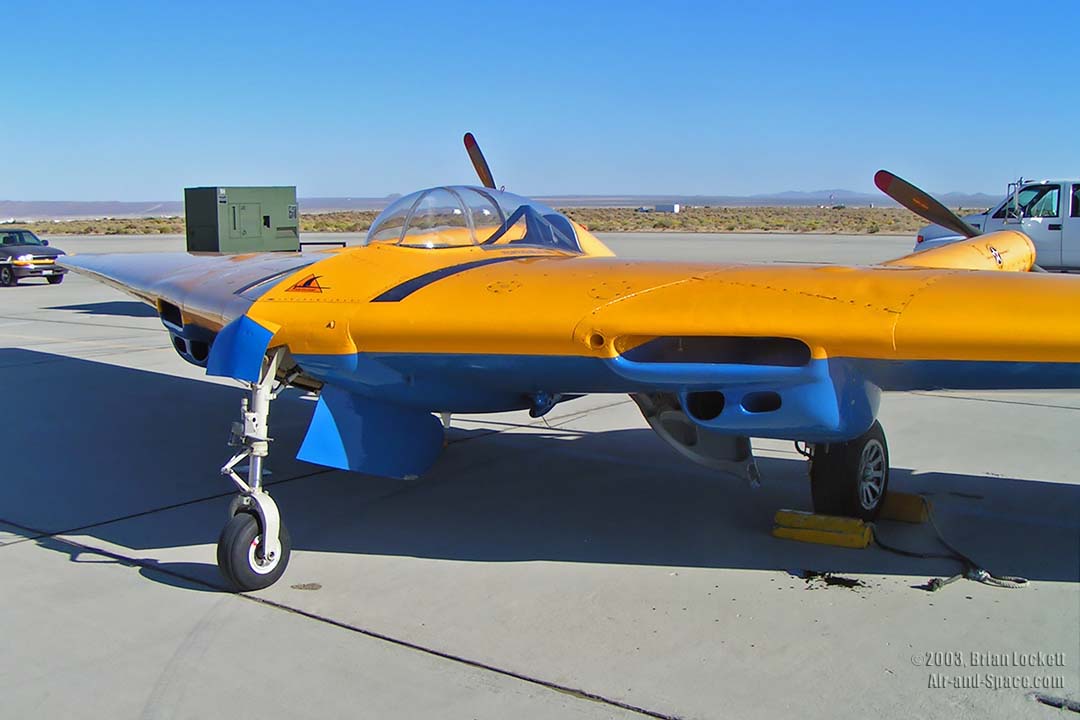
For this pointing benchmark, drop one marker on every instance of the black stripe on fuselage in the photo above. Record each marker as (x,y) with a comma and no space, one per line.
(272,276)
(407,288)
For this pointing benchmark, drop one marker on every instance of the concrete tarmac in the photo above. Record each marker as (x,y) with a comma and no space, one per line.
(566,567)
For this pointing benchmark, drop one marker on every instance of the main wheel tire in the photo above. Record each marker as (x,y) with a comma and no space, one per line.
(7,276)
(851,478)
(238,553)
(55,279)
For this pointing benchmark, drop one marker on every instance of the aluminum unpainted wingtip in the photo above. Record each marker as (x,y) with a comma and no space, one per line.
(69,261)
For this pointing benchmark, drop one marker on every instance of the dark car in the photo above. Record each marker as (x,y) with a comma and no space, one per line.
(23,254)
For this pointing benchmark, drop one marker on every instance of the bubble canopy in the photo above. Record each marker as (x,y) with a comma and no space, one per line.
(462,216)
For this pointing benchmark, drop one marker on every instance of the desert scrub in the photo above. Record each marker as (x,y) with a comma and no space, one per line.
(694,219)
(749,219)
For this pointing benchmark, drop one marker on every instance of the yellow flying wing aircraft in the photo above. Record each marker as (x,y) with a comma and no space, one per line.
(471,299)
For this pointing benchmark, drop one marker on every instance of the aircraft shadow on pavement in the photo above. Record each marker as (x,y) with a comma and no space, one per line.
(112,308)
(131,457)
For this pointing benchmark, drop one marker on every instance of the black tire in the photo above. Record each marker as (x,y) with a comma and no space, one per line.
(55,279)
(851,478)
(236,554)
(7,276)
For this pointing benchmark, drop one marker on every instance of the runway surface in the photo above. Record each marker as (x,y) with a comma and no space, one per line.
(567,567)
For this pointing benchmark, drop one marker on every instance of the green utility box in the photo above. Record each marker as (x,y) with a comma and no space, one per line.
(241,219)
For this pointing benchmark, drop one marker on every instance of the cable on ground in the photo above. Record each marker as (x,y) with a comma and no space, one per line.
(971,569)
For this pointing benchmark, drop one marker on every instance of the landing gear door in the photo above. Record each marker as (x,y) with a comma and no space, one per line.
(1039,205)
(1070,238)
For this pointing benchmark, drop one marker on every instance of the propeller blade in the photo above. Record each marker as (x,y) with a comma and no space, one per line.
(921,203)
(478,161)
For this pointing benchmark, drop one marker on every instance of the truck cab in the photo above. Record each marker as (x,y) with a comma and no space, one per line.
(1047,211)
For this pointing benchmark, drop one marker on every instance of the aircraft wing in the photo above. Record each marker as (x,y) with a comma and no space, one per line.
(208,289)
(393,334)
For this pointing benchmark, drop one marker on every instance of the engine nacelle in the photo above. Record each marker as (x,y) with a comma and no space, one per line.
(1004,250)
(730,454)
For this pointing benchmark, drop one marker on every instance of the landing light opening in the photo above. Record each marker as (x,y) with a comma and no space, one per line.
(705,406)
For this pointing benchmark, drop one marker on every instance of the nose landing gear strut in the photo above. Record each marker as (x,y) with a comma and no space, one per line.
(254,547)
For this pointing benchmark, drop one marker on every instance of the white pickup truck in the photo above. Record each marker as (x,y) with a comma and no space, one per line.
(1047,211)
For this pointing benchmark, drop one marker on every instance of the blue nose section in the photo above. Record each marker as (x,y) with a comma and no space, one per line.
(238,350)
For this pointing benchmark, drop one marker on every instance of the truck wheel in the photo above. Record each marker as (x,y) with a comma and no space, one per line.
(55,279)
(7,276)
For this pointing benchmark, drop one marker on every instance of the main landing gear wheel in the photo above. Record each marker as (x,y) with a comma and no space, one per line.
(254,546)
(242,555)
(7,277)
(851,478)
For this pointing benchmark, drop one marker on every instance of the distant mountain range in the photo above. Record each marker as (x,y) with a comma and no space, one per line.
(27,210)
(849,197)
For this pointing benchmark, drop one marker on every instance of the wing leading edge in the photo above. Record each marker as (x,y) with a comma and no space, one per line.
(208,290)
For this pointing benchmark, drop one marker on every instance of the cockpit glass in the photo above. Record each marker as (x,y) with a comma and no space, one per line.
(390,224)
(529,225)
(462,216)
(437,220)
(485,213)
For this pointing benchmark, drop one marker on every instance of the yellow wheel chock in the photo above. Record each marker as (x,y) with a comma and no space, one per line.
(821,529)
(844,531)
(905,507)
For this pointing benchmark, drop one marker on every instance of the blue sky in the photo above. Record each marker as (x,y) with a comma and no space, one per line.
(134,101)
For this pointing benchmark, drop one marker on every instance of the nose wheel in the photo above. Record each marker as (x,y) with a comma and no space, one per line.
(851,478)
(243,557)
(254,547)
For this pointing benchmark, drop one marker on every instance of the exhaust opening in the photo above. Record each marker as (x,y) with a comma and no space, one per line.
(761,402)
(199,350)
(705,406)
